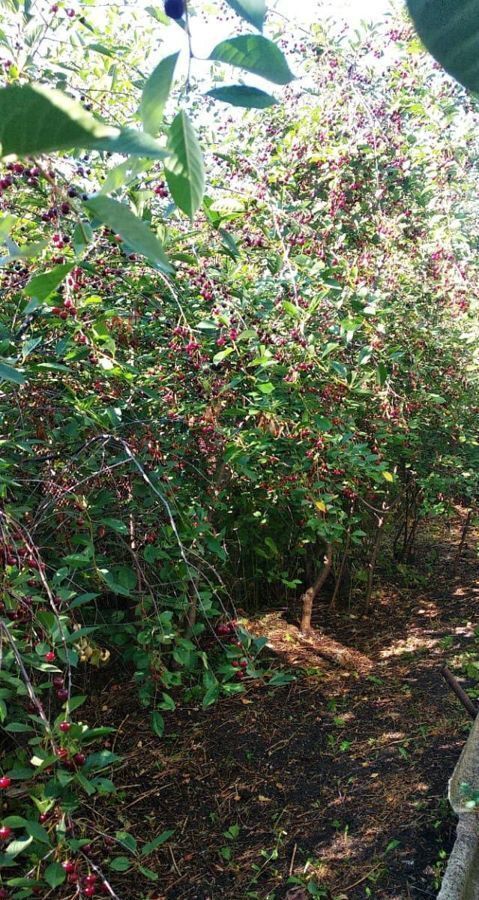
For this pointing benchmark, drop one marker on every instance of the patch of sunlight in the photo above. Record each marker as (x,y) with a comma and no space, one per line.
(391,736)
(467,629)
(409,645)
(421,786)
(345,842)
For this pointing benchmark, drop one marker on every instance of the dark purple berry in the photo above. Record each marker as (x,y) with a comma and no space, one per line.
(175,9)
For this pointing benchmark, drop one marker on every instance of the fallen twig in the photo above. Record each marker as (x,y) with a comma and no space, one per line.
(460,692)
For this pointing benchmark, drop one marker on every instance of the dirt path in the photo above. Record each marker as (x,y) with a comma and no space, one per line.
(337,780)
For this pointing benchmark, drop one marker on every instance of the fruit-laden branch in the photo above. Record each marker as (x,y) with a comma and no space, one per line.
(310,595)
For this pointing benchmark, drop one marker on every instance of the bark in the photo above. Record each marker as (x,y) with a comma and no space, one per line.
(460,692)
(310,595)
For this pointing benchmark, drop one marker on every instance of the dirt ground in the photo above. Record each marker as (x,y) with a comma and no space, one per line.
(331,786)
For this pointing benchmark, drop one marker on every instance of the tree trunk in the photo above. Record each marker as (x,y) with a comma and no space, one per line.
(310,595)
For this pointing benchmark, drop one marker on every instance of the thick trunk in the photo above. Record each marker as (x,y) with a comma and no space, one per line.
(310,595)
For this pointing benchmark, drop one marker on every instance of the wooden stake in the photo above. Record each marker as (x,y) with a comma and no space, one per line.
(460,692)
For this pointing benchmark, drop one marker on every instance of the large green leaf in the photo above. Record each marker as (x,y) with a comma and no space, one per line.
(156,92)
(256,54)
(55,875)
(450,31)
(41,286)
(131,229)
(254,11)
(243,95)
(35,119)
(184,165)
(8,373)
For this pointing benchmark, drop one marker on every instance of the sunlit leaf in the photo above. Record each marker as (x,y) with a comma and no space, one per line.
(35,119)
(243,95)
(256,54)
(132,230)
(184,165)
(254,11)
(156,92)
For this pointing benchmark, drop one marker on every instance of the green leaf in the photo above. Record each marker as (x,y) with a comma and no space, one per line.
(381,374)
(8,373)
(133,231)
(254,11)
(27,251)
(157,723)
(148,873)
(120,864)
(127,840)
(41,286)
(184,165)
(281,678)
(450,31)
(256,54)
(6,224)
(18,846)
(168,702)
(100,760)
(243,95)
(85,784)
(17,727)
(76,702)
(156,92)
(124,173)
(121,580)
(35,119)
(211,695)
(218,357)
(156,842)
(55,875)
(37,832)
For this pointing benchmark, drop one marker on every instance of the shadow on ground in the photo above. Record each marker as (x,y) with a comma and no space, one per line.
(338,779)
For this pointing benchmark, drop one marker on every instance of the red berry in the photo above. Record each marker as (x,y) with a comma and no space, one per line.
(64,726)
(244,663)
(69,866)
(79,759)
(44,817)
(50,656)
(62,694)
(61,753)
(89,890)
(5,833)
(91,878)
(58,681)
(5,782)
